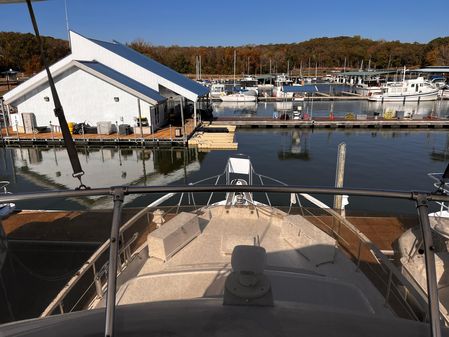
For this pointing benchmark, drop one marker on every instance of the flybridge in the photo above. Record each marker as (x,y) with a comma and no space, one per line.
(118,248)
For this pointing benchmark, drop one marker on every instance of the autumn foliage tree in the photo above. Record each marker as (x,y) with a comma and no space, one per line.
(21,52)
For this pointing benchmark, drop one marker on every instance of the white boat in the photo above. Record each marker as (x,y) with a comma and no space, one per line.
(368,87)
(414,90)
(281,81)
(9,207)
(249,83)
(217,90)
(237,266)
(239,97)
(443,93)
(439,82)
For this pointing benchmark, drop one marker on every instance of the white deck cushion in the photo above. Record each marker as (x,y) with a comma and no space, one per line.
(165,241)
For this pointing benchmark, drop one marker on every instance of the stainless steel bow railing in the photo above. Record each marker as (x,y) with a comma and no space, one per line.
(119,193)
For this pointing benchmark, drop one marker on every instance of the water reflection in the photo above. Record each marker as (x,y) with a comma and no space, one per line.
(49,168)
(410,109)
(244,109)
(338,108)
(295,146)
(380,159)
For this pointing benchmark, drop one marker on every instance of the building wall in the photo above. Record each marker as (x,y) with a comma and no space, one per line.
(85,98)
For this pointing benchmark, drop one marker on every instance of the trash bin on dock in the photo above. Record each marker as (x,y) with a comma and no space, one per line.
(124,129)
(104,128)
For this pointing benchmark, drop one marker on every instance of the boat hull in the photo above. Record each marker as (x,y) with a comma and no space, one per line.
(431,96)
(238,98)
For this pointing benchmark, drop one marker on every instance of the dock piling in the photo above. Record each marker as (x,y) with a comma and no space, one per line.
(340,174)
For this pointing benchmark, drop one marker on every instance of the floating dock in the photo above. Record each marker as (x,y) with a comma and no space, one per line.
(168,136)
(173,136)
(214,140)
(322,97)
(270,123)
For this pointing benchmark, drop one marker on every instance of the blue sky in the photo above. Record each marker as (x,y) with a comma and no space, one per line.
(211,22)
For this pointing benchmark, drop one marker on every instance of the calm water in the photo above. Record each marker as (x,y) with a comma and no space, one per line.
(339,108)
(375,159)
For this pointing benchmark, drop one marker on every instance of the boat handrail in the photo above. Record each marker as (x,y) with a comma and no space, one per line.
(377,253)
(89,264)
(118,193)
(3,185)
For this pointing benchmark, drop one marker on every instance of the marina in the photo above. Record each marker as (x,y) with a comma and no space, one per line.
(223,182)
(308,114)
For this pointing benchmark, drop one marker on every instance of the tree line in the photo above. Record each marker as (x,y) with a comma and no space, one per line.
(21,52)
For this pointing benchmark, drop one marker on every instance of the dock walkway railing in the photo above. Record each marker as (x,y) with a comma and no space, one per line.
(114,254)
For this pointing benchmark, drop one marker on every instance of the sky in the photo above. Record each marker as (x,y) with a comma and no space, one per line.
(233,22)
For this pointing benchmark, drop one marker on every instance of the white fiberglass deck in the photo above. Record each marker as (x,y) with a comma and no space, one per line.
(301,272)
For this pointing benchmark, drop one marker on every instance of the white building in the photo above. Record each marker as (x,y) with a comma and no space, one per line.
(102,81)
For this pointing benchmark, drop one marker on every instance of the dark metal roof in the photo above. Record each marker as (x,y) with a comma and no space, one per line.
(435,69)
(153,66)
(123,82)
(366,73)
(299,88)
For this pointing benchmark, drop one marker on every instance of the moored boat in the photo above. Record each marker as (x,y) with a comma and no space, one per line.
(217,90)
(239,97)
(413,90)
(281,81)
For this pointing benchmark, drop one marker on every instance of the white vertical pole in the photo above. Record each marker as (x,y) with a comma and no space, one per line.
(340,174)
(67,23)
(235,60)
(194,113)
(140,118)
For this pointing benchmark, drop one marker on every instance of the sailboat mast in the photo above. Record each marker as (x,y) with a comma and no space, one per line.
(235,58)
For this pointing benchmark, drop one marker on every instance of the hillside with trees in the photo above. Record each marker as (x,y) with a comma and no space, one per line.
(21,52)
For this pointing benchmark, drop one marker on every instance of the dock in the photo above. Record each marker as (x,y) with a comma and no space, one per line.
(214,140)
(173,136)
(167,136)
(336,123)
(322,97)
